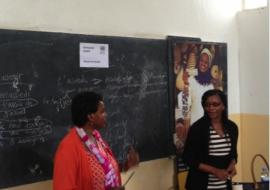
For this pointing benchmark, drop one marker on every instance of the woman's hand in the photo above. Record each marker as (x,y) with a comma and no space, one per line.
(221,174)
(132,159)
(231,169)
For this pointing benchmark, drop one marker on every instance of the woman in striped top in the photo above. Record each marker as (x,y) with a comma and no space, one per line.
(210,149)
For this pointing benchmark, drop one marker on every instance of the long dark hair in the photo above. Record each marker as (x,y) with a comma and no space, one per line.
(223,98)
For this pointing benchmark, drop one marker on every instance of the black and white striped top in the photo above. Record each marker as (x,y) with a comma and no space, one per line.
(219,146)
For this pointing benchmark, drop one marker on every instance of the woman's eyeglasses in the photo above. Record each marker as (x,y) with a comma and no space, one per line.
(214,104)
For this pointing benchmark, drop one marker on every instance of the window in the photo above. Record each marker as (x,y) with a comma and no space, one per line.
(253,4)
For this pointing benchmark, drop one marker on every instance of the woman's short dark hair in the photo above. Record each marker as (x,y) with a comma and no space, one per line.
(82,105)
(220,94)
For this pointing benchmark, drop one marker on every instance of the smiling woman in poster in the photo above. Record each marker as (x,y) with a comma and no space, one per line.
(196,81)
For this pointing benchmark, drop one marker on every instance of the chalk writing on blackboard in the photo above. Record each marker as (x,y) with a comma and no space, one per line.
(15,126)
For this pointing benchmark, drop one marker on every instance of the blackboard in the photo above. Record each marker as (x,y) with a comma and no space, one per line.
(39,75)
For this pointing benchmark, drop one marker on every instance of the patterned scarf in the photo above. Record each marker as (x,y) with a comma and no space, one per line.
(111,179)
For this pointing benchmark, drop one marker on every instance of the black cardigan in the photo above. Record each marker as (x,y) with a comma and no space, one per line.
(196,151)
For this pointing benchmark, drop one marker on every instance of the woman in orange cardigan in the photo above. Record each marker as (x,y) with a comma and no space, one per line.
(83,160)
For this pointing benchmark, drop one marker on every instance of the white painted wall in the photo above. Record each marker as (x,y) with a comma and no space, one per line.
(210,20)
(254,88)
(254,61)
